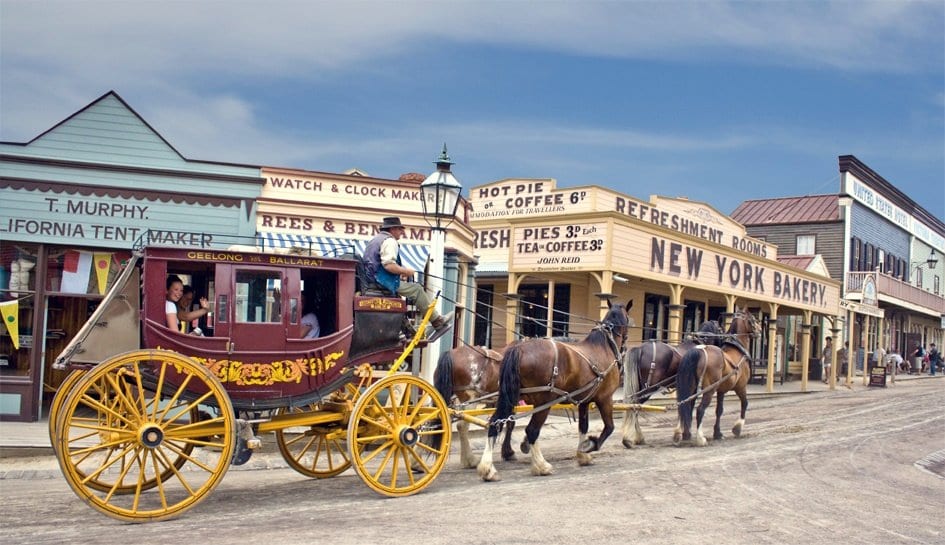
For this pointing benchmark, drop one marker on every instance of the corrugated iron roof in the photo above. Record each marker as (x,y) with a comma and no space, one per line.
(796,261)
(788,210)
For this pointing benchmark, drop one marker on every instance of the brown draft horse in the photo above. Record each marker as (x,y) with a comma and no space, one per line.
(546,371)
(653,365)
(713,369)
(469,373)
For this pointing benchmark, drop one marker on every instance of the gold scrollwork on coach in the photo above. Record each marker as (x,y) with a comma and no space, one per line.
(267,374)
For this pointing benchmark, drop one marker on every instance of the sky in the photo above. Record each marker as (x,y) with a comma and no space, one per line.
(716,101)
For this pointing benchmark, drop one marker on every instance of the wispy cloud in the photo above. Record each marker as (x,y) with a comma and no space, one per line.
(184,65)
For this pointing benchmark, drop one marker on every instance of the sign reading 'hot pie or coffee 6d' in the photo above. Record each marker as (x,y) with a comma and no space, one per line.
(577,246)
(526,198)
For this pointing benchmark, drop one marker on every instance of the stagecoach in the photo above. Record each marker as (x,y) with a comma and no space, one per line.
(150,419)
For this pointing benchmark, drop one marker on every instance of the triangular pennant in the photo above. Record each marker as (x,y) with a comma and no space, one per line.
(10,310)
(103,261)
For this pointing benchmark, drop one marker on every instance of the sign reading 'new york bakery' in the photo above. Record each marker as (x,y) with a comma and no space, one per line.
(712,270)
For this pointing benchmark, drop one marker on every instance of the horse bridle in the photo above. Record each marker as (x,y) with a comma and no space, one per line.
(618,351)
(750,318)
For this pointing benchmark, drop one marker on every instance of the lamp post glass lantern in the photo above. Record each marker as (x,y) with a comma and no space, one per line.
(931,262)
(439,196)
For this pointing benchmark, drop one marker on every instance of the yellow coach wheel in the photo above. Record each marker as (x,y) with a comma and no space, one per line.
(98,483)
(127,439)
(391,435)
(102,481)
(317,451)
(61,394)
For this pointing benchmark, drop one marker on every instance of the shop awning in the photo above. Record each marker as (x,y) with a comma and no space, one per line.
(413,255)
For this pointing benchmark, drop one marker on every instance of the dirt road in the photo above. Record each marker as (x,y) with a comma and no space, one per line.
(844,467)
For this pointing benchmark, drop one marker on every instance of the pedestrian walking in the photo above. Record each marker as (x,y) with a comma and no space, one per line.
(935,359)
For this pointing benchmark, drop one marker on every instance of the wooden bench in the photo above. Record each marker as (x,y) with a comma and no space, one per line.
(759,373)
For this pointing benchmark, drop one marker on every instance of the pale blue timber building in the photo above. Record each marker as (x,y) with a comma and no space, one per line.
(86,190)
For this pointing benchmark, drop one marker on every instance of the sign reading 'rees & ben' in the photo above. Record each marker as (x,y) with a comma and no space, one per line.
(571,247)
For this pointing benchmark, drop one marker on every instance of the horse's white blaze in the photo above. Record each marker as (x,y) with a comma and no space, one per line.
(540,466)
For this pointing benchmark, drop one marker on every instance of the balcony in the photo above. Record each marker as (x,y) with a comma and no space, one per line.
(893,288)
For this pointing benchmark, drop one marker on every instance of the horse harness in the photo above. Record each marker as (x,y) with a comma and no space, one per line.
(591,387)
(484,397)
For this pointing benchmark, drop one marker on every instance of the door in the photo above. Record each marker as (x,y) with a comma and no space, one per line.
(249,308)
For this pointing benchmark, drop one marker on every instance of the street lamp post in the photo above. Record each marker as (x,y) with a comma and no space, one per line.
(439,195)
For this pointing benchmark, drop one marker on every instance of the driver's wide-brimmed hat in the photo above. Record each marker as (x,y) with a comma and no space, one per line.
(390,223)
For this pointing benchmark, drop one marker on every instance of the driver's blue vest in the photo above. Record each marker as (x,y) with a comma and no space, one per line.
(376,271)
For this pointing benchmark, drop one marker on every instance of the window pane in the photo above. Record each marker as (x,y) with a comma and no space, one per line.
(258,296)
(805,244)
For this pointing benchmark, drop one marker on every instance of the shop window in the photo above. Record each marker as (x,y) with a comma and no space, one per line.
(18,267)
(655,317)
(806,244)
(533,311)
(82,271)
(484,308)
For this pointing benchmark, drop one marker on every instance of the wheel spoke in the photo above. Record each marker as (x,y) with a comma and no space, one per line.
(158,389)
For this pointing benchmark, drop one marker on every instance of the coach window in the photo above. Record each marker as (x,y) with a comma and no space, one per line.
(258,296)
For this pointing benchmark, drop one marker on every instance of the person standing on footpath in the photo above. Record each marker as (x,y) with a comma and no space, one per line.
(842,355)
(825,357)
(935,359)
(383,264)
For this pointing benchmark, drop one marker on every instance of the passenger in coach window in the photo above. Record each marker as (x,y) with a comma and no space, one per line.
(175,317)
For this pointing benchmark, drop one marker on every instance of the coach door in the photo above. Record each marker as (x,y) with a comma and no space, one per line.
(251,308)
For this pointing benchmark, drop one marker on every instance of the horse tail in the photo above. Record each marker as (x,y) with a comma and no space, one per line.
(631,379)
(443,382)
(510,385)
(686,385)
(443,376)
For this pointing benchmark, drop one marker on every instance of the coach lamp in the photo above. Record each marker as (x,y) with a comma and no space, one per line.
(439,196)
